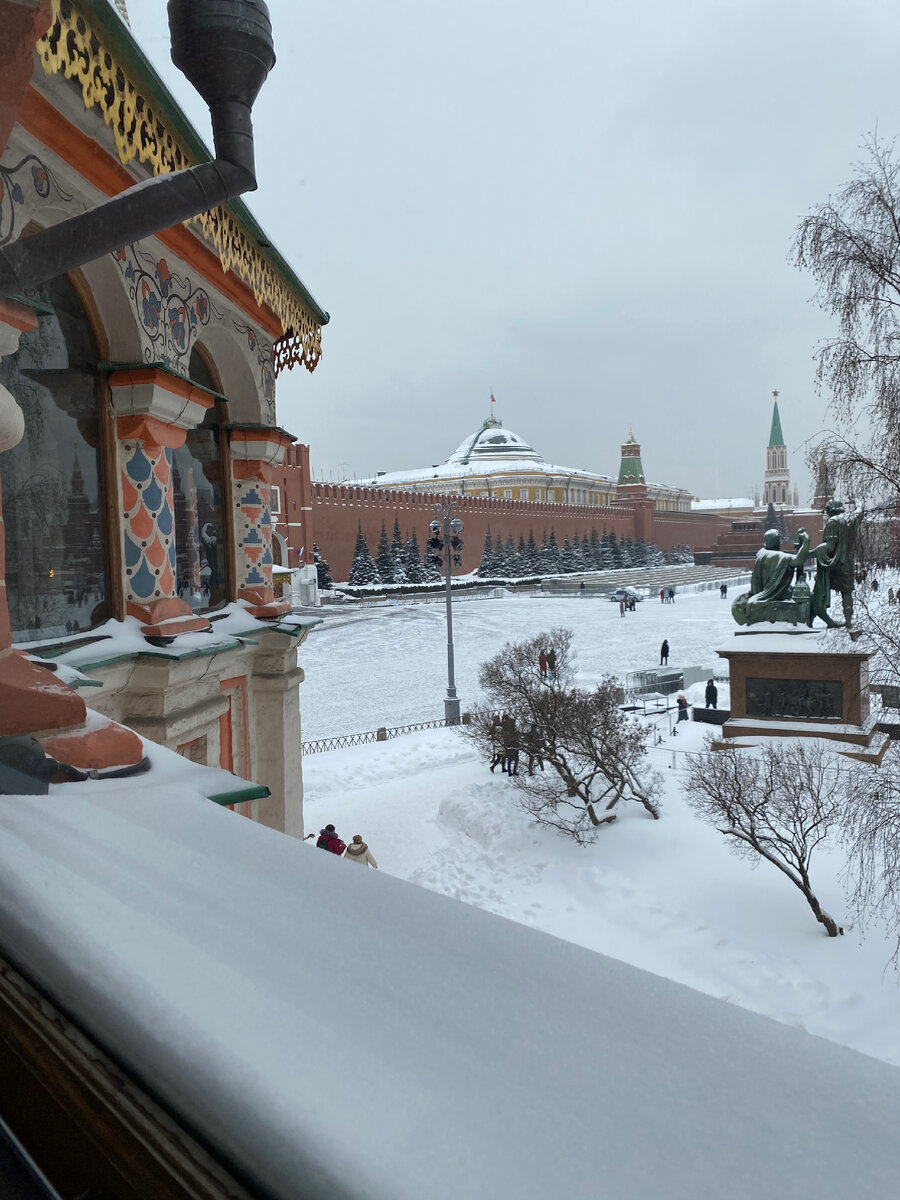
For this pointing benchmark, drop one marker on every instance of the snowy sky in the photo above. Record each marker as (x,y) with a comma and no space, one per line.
(586,207)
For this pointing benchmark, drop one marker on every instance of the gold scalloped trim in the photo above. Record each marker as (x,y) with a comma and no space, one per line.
(72,48)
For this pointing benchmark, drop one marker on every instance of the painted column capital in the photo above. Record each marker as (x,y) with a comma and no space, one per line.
(256,451)
(156,408)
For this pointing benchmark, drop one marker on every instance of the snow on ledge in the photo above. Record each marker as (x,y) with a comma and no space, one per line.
(783,638)
(340,1032)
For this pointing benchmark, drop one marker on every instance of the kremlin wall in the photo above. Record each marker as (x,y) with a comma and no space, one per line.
(331,514)
(500,483)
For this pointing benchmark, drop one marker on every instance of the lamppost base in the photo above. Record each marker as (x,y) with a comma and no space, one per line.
(451,710)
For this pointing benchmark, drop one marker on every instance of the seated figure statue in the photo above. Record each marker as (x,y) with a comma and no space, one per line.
(771,596)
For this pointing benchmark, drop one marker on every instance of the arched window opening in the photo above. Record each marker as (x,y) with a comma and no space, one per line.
(200,550)
(56,572)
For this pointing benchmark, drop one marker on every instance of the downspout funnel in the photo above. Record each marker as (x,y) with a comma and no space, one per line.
(225,49)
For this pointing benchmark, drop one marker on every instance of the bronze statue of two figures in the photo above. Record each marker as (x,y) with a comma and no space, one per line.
(778,587)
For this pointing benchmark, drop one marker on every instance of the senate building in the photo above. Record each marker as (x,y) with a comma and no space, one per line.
(496,463)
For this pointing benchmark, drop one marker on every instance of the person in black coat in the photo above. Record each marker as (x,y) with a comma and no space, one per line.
(664,653)
(712,694)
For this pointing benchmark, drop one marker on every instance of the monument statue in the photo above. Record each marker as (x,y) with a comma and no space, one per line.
(773,595)
(834,565)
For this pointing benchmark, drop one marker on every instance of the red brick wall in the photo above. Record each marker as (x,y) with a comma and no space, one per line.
(330,514)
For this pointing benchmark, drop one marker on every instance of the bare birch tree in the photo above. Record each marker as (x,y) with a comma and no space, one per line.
(872,836)
(593,754)
(777,805)
(851,246)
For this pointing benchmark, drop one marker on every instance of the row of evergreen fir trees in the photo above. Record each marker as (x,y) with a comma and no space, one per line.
(398,559)
(597,552)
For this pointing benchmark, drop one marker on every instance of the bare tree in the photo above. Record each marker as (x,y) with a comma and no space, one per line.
(778,804)
(872,836)
(592,755)
(851,245)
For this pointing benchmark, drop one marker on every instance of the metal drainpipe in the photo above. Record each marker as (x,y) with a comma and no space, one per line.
(226,52)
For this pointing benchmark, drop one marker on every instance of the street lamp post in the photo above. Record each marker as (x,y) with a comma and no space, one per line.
(445,551)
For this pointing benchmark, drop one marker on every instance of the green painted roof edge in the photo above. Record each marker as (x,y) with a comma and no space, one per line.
(776,437)
(124,43)
(253,791)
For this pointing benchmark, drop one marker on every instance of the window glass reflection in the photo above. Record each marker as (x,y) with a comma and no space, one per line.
(55,551)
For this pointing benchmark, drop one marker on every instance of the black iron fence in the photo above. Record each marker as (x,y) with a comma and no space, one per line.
(384,734)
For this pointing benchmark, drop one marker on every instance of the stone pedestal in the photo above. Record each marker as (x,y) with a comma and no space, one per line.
(801,684)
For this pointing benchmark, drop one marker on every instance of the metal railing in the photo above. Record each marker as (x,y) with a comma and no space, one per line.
(384,734)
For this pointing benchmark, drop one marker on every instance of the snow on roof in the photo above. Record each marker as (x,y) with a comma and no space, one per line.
(332,1030)
(726,502)
(491,449)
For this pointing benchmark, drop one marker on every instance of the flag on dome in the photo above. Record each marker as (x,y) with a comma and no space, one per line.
(493,401)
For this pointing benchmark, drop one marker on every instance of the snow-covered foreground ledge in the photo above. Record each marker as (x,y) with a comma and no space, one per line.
(337,1032)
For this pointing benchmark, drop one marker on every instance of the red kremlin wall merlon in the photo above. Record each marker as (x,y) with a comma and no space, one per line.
(331,514)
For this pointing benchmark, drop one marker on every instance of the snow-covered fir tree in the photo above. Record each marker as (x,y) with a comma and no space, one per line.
(615,552)
(363,570)
(639,552)
(412,560)
(532,556)
(398,565)
(594,550)
(510,560)
(655,556)
(548,555)
(567,561)
(383,559)
(625,559)
(487,568)
(323,571)
(681,554)
(521,557)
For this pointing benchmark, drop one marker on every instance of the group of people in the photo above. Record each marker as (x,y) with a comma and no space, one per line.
(627,604)
(507,743)
(667,595)
(547,665)
(357,851)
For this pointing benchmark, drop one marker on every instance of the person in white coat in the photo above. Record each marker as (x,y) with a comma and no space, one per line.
(359,852)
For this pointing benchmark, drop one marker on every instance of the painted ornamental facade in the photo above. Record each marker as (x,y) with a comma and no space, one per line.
(137,497)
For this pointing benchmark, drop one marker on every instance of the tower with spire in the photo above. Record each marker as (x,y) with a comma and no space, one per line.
(631,481)
(777,487)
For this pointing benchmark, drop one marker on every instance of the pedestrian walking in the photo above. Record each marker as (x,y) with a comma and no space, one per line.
(551,664)
(671,595)
(329,840)
(497,750)
(621,608)
(712,694)
(664,653)
(542,664)
(359,852)
(662,595)
(891,599)
(682,707)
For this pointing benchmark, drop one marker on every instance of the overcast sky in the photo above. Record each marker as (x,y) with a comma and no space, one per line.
(585,206)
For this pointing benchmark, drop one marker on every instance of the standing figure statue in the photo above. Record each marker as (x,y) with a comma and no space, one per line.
(834,565)
(771,596)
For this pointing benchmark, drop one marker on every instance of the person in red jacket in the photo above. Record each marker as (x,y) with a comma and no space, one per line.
(329,840)
(542,664)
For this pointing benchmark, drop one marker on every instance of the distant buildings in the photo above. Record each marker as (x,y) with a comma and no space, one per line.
(495,463)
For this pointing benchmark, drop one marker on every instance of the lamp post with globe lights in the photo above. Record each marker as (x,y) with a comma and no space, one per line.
(444,546)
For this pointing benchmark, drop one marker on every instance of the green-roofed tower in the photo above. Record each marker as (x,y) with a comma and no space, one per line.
(631,470)
(777,488)
(776,438)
